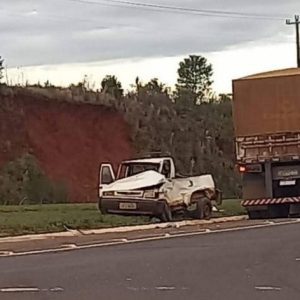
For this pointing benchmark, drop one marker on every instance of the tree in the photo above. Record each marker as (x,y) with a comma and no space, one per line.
(1,68)
(194,76)
(111,85)
(156,87)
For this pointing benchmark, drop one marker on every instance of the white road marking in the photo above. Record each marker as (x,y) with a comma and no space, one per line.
(30,290)
(165,288)
(268,288)
(7,253)
(297,259)
(20,290)
(132,288)
(148,239)
(56,289)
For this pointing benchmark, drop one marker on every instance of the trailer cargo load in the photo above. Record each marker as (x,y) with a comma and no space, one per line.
(266,110)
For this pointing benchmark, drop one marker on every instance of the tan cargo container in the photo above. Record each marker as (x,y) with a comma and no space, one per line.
(267,103)
(266,110)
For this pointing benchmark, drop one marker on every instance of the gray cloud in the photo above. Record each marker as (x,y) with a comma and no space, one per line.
(37,32)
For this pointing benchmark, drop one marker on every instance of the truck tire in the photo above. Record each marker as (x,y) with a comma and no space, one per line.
(203,209)
(254,214)
(258,214)
(166,215)
(101,209)
(279,211)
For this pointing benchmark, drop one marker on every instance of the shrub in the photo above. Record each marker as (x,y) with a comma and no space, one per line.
(23,182)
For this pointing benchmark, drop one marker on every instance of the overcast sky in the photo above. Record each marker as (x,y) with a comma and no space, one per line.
(64,39)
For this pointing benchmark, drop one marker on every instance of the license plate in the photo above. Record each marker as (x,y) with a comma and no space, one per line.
(127,206)
(287,182)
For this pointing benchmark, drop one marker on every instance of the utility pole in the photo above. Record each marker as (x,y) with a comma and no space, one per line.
(296,23)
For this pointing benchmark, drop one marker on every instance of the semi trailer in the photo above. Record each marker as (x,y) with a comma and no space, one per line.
(266,111)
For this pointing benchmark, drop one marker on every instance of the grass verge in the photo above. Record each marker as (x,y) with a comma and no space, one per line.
(26,219)
(16,220)
(231,207)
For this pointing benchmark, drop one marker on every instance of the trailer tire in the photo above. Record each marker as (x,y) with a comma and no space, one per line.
(258,214)
(204,208)
(254,214)
(166,215)
(279,211)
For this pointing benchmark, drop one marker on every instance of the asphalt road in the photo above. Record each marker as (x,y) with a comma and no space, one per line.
(248,264)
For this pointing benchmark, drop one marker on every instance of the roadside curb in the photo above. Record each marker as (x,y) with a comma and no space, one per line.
(163,225)
(124,229)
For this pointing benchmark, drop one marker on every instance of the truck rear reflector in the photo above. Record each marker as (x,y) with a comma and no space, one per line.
(270,201)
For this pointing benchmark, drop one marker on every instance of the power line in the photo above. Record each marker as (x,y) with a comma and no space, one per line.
(186,10)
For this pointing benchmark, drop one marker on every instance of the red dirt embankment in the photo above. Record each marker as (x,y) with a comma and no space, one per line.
(68,140)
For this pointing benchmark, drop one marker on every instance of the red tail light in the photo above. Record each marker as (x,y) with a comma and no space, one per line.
(242,169)
(252,168)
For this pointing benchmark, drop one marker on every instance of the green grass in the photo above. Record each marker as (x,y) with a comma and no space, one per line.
(232,207)
(15,220)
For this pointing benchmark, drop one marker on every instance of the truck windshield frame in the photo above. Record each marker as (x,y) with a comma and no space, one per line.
(130,169)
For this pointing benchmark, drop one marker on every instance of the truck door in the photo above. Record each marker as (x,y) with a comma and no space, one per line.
(106,176)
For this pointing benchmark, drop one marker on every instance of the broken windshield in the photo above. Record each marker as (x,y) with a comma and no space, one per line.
(130,169)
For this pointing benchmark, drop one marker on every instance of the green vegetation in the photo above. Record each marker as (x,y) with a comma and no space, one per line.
(1,68)
(26,219)
(232,207)
(194,79)
(23,182)
(110,85)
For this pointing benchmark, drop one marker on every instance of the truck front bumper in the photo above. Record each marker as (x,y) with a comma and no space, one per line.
(131,207)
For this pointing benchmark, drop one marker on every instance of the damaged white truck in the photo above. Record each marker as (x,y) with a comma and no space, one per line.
(150,187)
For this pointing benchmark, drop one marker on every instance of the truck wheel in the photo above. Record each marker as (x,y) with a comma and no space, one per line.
(279,211)
(166,215)
(258,214)
(101,209)
(254,214)
(204,209)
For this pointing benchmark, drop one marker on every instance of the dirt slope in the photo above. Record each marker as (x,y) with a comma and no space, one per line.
(69,140)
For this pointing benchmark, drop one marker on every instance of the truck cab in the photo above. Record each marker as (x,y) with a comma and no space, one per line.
(150,186)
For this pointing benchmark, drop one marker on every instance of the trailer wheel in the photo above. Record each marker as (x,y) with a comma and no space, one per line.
(258,214)
(166,215)
(254,214)
(279,211)
(203,209)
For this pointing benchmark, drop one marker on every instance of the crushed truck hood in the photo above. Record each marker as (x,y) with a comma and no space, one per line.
(139,181)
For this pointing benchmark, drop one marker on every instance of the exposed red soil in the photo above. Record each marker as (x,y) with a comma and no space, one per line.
(68,140)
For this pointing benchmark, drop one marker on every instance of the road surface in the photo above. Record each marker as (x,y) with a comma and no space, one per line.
(261,263)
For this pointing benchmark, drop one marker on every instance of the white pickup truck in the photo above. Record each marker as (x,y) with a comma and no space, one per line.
(150,187)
